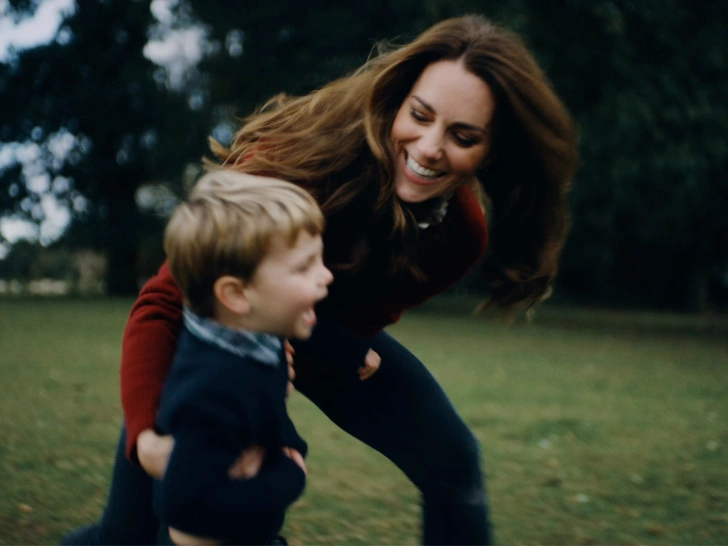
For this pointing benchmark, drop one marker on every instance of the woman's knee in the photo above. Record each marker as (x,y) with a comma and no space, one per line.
(454,473)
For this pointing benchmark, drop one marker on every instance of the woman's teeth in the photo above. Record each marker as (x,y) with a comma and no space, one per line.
(419,170)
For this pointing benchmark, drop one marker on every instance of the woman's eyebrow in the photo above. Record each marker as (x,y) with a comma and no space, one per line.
(468,127)
(424,104)
(459,124)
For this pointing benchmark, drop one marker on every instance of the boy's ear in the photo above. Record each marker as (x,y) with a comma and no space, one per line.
(230,292)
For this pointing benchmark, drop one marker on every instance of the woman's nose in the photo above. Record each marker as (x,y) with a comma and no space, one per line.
(430,144)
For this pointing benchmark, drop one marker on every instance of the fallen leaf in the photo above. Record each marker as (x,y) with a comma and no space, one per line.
(553,463)
(581,498)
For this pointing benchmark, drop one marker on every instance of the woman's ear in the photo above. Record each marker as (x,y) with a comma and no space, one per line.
(230,293)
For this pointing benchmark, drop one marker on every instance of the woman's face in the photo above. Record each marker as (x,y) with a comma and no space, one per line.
(441,132)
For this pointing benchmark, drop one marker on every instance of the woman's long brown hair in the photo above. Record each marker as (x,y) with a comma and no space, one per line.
(336,142)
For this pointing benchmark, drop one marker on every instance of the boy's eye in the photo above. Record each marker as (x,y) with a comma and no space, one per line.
(305,266)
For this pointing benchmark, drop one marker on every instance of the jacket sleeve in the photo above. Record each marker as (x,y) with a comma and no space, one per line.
(196,494)
(147,349)
(196,485)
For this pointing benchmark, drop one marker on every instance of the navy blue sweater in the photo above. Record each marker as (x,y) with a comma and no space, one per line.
(216,404)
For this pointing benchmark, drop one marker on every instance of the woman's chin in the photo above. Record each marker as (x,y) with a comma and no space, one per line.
(412,193)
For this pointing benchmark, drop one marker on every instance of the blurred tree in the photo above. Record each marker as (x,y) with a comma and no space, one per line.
(292,46)
(648,83)
(90,123)
(19,262)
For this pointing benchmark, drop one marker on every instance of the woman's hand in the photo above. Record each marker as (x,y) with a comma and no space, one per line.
(371,364)
(296,457)
(153,452)
(290,351)
(248,464)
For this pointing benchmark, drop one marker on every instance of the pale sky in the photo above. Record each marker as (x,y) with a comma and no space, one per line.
(38,29)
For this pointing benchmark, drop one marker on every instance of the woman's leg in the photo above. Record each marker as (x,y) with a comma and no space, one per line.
(128,517)
(404,414)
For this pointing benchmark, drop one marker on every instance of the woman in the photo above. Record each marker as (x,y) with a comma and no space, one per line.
(405,157)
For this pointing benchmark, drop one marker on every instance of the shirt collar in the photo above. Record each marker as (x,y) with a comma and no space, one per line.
(437,213)
(265,348)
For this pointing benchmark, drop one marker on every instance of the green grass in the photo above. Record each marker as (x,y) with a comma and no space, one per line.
(597,427)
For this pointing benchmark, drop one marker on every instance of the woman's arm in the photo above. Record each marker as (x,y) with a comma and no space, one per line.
(147,349)
(332,342)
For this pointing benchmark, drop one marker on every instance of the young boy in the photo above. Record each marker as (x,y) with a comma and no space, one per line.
(246,252)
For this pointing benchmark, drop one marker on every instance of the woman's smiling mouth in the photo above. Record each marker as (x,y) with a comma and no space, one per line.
(421,172)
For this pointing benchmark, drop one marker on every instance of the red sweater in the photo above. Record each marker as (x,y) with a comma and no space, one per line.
(362,302)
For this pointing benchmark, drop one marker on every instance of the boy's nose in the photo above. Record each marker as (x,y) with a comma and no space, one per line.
(326,277)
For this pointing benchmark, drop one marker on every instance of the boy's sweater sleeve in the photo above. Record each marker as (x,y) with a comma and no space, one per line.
(197,475)
(196,494)
(147,349)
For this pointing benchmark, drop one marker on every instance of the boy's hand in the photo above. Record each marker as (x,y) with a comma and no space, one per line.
(290,351)
(371,364)
(295,456)
(248,464)
(153,452)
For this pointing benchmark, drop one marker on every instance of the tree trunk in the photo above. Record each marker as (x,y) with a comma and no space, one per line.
(122,240)
(698,297)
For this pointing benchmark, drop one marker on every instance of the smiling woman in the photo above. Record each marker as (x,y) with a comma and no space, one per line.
(402,156)
(440,134)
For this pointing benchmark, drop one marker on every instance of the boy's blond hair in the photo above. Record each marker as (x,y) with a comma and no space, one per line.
(225,228)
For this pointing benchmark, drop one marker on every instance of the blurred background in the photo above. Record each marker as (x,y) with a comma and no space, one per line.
(106,107)
(602,422)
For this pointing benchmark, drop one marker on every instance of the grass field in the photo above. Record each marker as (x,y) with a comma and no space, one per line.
(597,427)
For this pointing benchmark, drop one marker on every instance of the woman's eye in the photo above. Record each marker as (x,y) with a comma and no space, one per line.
(465,141)
(419,116)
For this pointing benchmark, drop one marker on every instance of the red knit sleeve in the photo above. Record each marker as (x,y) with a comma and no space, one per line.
(147,349)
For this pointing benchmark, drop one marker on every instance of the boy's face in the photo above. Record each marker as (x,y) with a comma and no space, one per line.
(287,284)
